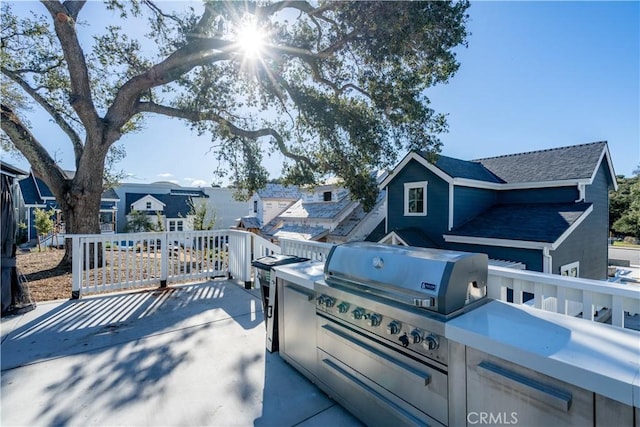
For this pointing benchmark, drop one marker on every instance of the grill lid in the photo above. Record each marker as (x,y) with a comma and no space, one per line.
(437,280)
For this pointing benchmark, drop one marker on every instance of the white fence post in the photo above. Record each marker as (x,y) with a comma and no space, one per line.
(76,267)
(164,259)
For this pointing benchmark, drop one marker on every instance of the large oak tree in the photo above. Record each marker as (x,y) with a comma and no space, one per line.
(335,87)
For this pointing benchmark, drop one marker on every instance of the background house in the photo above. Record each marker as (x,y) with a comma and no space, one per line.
(545,209)
(36,194)
(172,210)
(220,201)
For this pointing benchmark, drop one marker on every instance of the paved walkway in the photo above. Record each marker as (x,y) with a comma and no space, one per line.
(187,356)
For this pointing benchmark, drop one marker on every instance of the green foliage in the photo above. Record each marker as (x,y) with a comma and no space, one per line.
(43,222)
(624,211)
(138,221)
(338,88)
(203,218)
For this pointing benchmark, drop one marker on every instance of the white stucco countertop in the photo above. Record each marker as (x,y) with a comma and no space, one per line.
(302,273)
(597,357)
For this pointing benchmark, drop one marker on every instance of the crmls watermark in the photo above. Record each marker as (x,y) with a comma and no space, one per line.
(492,418)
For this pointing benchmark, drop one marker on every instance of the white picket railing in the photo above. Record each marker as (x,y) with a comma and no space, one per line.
(127,261)
(566,295)
(104,263)
(316,251)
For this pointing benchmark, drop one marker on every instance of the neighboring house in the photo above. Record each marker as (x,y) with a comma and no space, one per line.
(545,209)
(269,202)
(313,216)
(220,201)
(36,194)
(324,213)
(172,210)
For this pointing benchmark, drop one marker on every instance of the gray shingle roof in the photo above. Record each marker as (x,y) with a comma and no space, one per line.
(250,222)
(354,218)
(299,231)
(278,191)
(556,164)
(526,222)
(320,210)
(176,205)
(465,169)
(29,191)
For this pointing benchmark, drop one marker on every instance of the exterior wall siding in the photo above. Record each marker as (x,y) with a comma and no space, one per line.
(588,244)
(539,195)
(470,202)
(531,258)
(435,223)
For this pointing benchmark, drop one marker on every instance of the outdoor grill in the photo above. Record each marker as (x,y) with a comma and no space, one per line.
(381,313)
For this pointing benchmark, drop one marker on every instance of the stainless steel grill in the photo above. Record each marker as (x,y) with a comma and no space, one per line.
(440,281)
(381,313)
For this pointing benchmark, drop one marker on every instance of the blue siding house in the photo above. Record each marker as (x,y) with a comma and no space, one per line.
(36,194)
(545,209)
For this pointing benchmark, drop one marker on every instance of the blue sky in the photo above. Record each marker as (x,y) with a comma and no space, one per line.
(536,75)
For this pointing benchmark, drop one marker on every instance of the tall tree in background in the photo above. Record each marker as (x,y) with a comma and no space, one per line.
(336,87)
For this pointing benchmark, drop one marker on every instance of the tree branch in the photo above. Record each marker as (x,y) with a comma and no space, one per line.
(80,98)
(53,112)
(198,116)
(198,52)
(41,162)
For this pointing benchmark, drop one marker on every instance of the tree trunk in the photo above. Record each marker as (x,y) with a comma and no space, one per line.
(81,203)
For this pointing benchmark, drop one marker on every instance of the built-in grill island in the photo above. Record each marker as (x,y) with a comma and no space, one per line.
(381,312)
(406,336)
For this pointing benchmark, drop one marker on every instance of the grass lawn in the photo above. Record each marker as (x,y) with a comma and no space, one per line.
(626,245)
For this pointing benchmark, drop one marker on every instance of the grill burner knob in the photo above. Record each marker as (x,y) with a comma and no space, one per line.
(375,319)
(393,328)
(329,302)
(431,342)
(416,334)
(404,339)
(343,307)
(357,314)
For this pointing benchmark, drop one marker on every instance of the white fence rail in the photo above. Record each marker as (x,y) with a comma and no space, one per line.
(104,263)
(126,261)
(316,251)
(563,294)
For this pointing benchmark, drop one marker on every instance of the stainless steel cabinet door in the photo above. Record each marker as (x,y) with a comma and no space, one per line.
(501,392)
(298,335)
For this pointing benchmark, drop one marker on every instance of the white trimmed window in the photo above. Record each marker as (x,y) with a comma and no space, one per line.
(571,270)
(415,198)
(148,206)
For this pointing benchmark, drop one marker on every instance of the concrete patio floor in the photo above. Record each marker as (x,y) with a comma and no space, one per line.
(192,355)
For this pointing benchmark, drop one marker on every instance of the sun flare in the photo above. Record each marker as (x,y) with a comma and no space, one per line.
(250,40)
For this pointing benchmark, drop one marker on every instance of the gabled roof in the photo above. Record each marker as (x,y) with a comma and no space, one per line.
(553,167)
(9,169)
(278,191)
(300,232)
(575,162)
(319,210)
(412,236)
(175,205)
(353,219)
(35,191)
(249,222)
(29,191)
(522,225)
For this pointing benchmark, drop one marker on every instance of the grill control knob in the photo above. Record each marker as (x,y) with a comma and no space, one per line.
(416,334)
(375,319)
(320,300)
(393,327)
(343,307)
(329,302)
(431,342)
(358,313)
